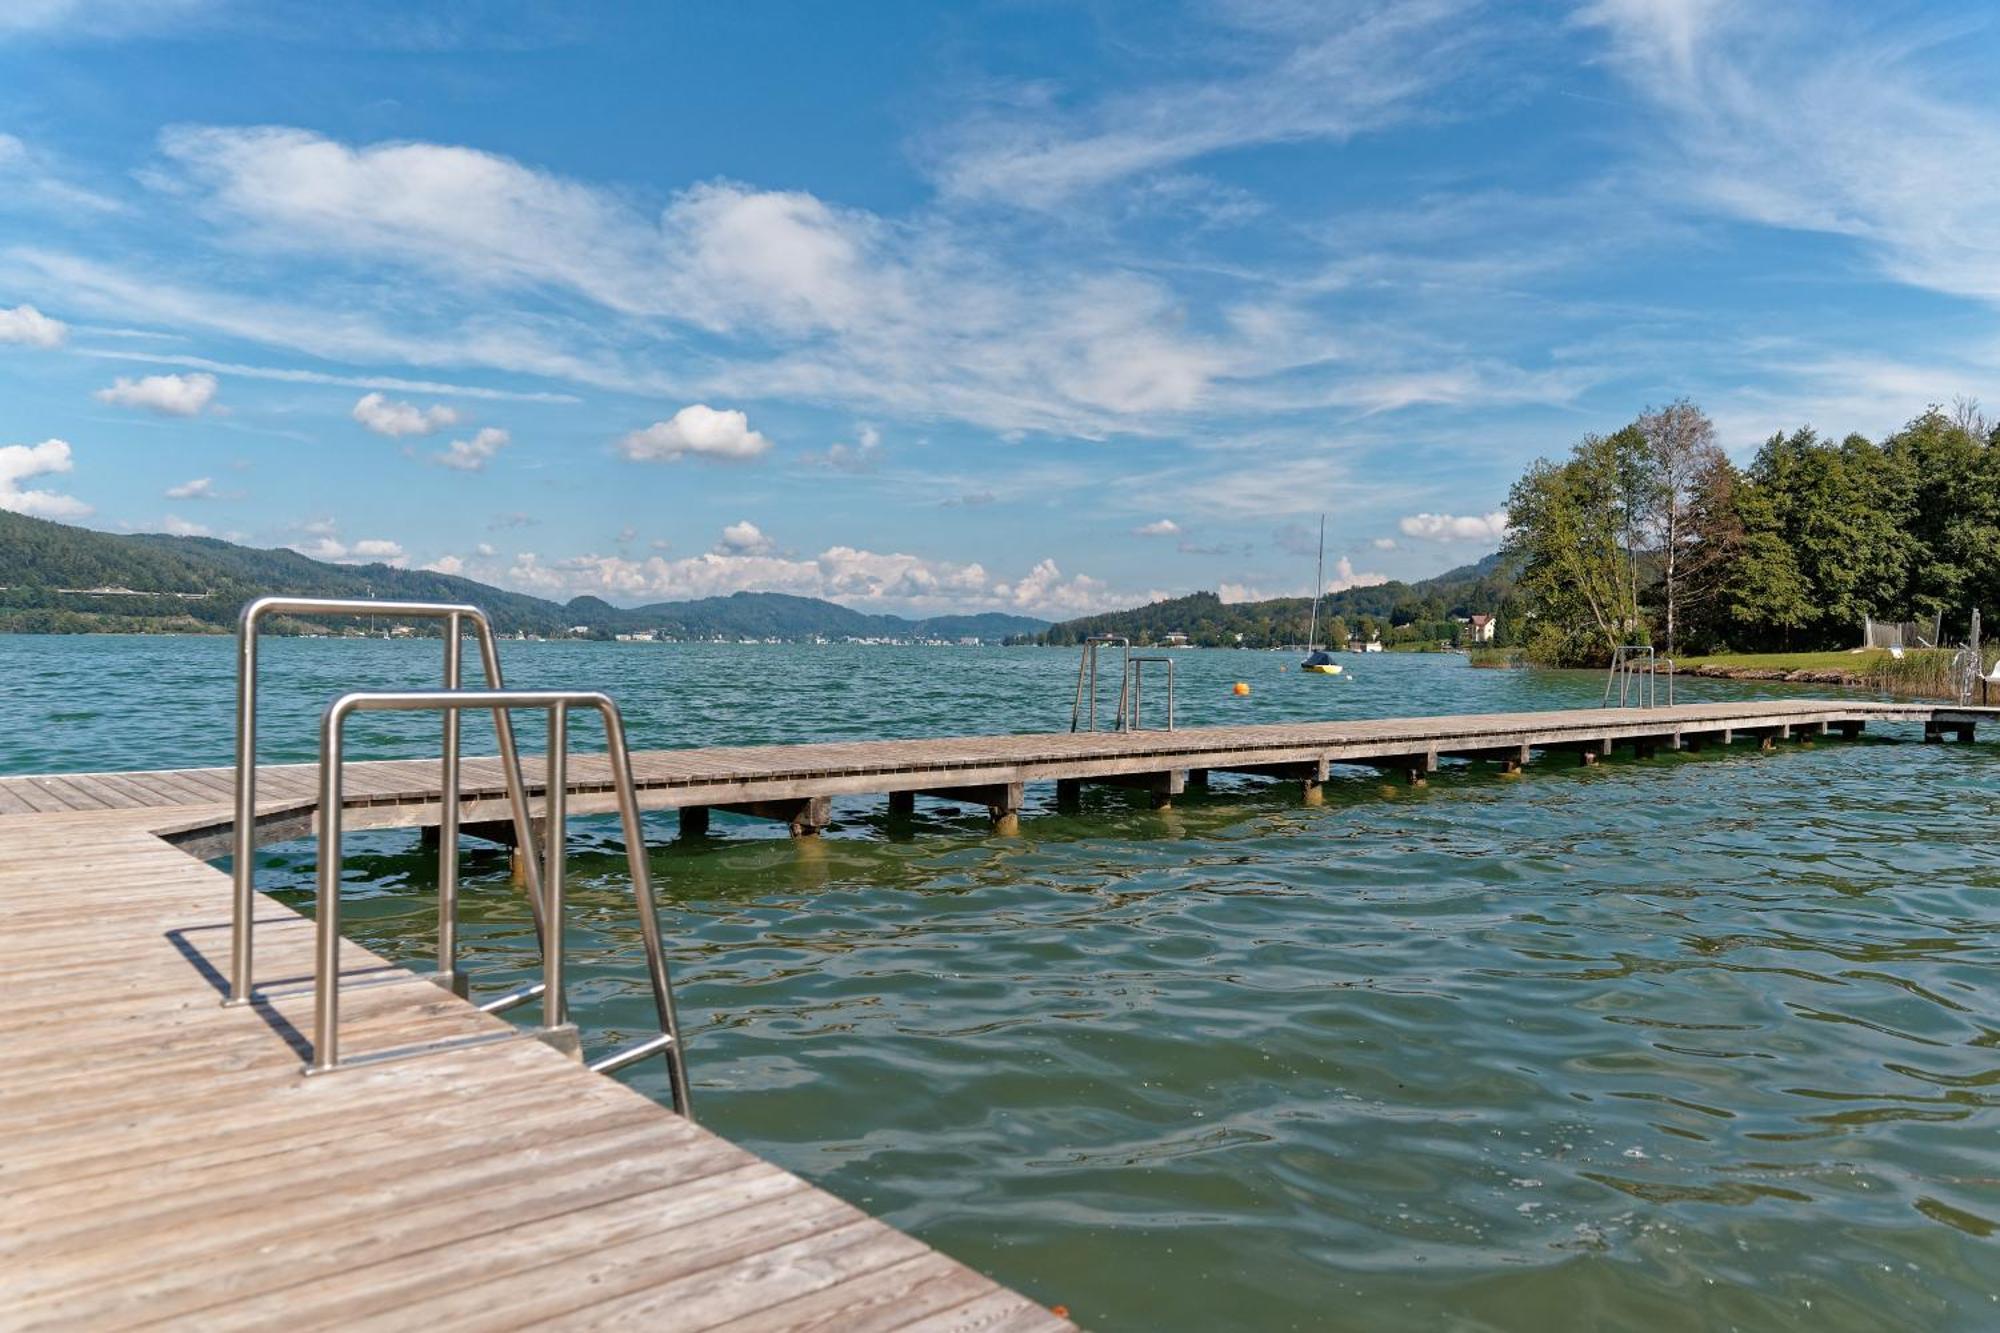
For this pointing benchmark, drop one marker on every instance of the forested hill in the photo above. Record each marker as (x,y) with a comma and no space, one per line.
(58,578)
(1424,609)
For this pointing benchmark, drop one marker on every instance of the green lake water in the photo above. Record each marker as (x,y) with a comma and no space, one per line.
(1701,1042)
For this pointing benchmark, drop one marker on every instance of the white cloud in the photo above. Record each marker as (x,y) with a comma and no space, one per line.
(474,454)
(18,462)
(385,416)
(845,574)
(1345,576)
(1383,543)
(697,429)
(326,544)
(1045,591)
(446,564)
(201,488)
(176,526)
(28,327)
(1454,527)
(1159,527)
(169,395)
(857,457)
(744,538)
(1233,593)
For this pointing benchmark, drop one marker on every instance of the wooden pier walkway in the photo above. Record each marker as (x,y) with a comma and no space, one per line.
(162,1160)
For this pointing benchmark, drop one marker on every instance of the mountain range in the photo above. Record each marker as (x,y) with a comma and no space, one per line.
(58,578)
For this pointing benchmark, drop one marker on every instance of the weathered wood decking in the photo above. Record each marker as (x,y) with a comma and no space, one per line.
(191,806)
(163,1160)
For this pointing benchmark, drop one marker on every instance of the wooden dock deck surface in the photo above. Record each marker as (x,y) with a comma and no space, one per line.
(191,807)
(163,1160)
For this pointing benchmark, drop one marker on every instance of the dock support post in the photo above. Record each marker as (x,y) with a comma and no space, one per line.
(1069,795)
(1002,800)
(1161,787)
(519,871)
(1851,731)
(1413,769)
(1197,779)
(804,815)
(1308,773)
(694,821)
(500,831)
(1511,758)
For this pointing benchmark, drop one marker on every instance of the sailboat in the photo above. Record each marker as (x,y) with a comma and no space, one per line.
(1318,661)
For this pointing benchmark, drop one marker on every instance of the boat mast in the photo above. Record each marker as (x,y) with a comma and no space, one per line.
(1319,586)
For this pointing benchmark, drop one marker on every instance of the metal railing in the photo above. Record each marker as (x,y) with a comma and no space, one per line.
(556,1027)
(243,845)
(1131,680)
(1635,677)
(1086,681)
(1136,666)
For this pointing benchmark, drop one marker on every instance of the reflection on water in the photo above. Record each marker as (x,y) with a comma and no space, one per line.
(1701,1042)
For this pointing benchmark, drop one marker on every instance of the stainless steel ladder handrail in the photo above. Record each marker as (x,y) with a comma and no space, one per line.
(243,844)
(1629,662)
(1136,666)
(1086,668)
(556,1027)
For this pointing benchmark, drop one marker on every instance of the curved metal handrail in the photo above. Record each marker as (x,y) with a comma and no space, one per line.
(243,843)
(556,1027)
(1086,671)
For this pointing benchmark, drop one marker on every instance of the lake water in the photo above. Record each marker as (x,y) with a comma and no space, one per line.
(1706,1041)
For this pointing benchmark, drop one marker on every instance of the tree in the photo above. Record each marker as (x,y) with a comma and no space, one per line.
(1761,593)
(1569,528)
(1682,453)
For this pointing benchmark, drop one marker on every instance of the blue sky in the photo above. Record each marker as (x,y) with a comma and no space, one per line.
(1016,306)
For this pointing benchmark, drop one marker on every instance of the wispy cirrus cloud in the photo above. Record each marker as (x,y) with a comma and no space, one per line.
(1817,119)
(96,18)
(1294,72)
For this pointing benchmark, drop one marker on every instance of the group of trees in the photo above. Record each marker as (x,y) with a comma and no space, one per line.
(1652,535)
(1427,612)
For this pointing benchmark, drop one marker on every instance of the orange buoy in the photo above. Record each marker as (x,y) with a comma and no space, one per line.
(1241,687)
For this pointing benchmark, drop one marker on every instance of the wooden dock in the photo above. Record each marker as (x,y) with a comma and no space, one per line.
(162,1159)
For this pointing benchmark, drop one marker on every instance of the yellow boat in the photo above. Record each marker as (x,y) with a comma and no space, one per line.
(1322,664)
